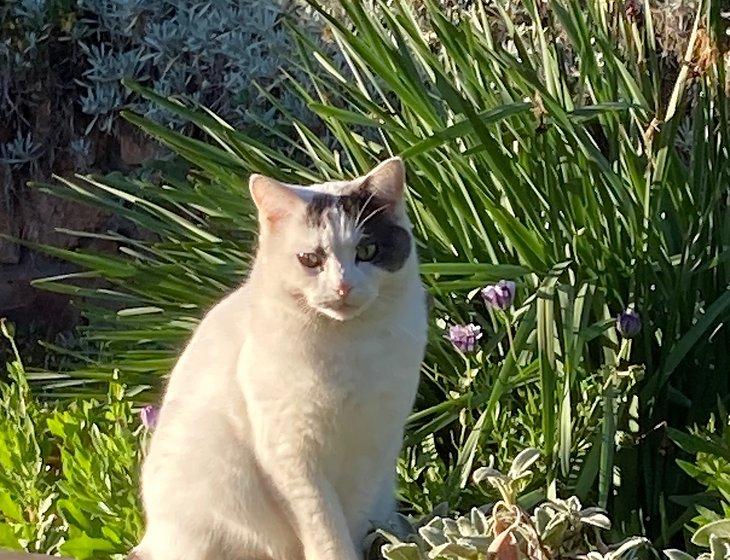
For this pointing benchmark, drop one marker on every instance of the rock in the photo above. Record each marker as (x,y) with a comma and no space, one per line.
(35,217)
(136,149)
(41,214)
(9,251)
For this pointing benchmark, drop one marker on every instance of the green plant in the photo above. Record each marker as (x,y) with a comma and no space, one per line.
(61,62)
(711,468)
(549,145)
(714,535)
(68,474)
(556,529)
(26,486)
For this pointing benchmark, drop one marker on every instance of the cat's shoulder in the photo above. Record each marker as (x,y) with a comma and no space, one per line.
(229,313)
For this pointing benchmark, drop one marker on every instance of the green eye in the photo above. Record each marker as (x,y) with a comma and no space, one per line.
(310,260)
(366,252)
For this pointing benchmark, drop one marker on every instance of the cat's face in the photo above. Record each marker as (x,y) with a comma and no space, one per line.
(338,247)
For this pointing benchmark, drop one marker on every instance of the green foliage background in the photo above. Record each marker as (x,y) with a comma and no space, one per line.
(69,474)
(555,145)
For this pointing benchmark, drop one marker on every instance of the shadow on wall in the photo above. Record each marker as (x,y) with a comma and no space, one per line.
(28,214)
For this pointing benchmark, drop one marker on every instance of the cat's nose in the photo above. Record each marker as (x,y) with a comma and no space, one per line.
(343,290)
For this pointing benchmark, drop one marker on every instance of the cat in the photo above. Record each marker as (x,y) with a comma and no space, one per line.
(283,419)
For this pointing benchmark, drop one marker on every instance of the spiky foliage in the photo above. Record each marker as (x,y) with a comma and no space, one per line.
(549,144)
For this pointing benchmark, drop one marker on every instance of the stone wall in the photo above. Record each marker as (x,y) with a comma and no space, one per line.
(29,214)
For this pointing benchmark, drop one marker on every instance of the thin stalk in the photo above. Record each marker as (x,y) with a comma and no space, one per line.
(608,435)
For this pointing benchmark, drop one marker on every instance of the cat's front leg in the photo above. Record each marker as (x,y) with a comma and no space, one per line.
(290,442)
(314,509)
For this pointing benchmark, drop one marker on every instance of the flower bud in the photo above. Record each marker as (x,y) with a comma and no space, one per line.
(465,337)
(7,328)
(628,323)
(499,296)
(149,416)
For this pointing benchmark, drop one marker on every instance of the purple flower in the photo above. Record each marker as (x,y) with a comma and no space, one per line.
(628,323)
(149,416)
(464,337)
(499,295)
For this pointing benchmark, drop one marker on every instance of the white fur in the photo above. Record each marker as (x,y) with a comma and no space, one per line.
(282,423)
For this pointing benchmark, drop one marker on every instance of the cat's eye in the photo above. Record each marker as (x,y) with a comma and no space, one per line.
(310,260)
(366,252)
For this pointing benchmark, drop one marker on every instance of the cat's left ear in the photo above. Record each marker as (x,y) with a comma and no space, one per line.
(387,181)
(273,199)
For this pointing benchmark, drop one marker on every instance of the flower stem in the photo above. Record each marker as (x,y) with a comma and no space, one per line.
(508,328)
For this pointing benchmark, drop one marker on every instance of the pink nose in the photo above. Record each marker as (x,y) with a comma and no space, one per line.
(343,290)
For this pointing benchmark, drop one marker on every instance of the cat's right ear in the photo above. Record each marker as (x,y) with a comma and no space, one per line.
(273,199)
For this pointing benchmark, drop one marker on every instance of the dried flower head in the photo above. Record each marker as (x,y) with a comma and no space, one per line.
(706,53)
(634,11)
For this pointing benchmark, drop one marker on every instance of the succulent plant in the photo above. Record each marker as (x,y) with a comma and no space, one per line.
(714,535)
(556,528)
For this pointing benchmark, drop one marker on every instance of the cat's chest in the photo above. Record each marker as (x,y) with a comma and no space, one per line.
(332,360)
(337,369)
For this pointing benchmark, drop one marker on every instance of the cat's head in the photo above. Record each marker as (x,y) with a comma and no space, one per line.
(335,248)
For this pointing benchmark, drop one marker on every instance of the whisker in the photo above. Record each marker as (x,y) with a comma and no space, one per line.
(362,209)
(405,332)
(373,213)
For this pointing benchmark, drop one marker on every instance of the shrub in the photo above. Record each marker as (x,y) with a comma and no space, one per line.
(68,473)
(547,145)
(711,468)
(61,64)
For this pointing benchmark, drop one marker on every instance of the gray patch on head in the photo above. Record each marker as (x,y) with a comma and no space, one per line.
(317,206)
(393,241)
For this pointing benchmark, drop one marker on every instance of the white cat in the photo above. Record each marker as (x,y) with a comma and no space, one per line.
(282,421)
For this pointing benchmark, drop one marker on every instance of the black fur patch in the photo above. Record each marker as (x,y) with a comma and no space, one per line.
(317,207)
(393,241)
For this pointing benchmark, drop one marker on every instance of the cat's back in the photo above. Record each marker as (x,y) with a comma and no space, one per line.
(210,355)
(201,405)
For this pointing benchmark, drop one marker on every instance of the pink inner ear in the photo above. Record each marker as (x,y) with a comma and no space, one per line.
(274,217)
(273,199)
